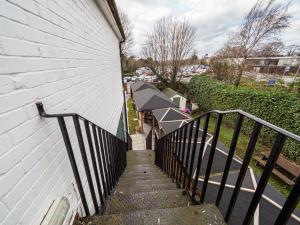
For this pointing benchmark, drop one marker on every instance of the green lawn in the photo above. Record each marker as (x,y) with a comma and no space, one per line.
(132,118)
(225,136)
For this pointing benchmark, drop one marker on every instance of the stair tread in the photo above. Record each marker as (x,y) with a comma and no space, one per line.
(132,182)
(204,214)
(145,195)
(141,187)
(146,200)
(144,177)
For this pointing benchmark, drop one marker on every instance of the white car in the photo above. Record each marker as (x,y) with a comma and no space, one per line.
(142,77)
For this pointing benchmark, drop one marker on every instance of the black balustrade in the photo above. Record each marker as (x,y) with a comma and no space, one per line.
(105,152)
(175,155)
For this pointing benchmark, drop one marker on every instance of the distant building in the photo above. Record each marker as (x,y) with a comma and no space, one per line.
(179,99)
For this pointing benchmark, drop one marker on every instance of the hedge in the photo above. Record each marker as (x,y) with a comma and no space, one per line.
(277,107)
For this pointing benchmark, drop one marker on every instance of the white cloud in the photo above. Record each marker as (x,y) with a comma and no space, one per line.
(214,19)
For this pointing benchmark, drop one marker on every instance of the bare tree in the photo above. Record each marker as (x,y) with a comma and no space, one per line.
(269,49)
(169,43)
(263,24)
(293,50)
(127,27)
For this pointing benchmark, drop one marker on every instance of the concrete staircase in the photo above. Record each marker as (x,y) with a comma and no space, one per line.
(145,195)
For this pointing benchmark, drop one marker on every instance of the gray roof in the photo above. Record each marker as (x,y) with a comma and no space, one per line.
(170,114)
(150,99)
(169,119)
(141,85)
(170,92)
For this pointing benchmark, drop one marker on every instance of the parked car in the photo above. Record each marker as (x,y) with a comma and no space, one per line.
(142,77)
(134,78)
(126,79)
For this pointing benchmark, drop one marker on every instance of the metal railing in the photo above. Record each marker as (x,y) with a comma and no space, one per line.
(175,155)
(107,157)
(148,139)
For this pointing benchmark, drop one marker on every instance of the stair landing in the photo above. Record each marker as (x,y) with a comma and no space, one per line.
(145,195)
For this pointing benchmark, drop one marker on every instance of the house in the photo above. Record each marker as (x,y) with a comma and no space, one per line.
(147,100)
(141,85)
(65,54)
(179,99)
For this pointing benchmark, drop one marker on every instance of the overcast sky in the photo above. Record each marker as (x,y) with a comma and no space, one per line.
(213,19)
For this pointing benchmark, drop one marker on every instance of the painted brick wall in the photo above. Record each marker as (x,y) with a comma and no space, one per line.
(65,54)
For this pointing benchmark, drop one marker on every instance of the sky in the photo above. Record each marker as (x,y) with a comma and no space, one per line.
(214,20)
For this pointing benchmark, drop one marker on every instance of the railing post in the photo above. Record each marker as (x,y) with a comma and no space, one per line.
(104,157)
(229,157)
(100,161)
(85,161)
(211,156)
(169,157)
(64,131)
(188,152)
(179,156)
(183,154)
(289,205)
(193,151)
(201,150)
(93,158)
(263,181)
(243,170)
(173,155)
(165,154)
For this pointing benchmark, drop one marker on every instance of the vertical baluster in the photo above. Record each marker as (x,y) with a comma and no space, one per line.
(201,150)
(183,154)
(172,154)
(100,163)
(175,154)
(157,151)
(193,151)
(243,170)
(110,155)
(117,159)
(289,205)
(179,156)
(109,163)
(187,163)
(168,154)
(93,158)
(64,131)
(104,157)
(160,150)
(85,161)
(229,157)
(165,148)
(211,155)
(113,156)
(263,181)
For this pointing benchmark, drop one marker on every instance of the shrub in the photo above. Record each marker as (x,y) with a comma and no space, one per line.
(279,108)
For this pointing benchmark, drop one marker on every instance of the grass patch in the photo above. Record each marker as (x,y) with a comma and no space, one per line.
(132,118)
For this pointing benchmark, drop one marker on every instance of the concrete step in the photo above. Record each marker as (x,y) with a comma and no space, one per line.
(127,202)
(193,215)
(132,182)
(140,187)
(142,170)
(142,178)
(140,157)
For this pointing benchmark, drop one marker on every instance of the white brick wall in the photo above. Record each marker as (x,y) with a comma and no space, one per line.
(65,54)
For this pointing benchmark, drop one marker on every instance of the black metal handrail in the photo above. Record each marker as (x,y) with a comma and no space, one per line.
(175,155)
(148,139)
(107,156)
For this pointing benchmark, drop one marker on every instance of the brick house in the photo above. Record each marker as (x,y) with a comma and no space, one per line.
(65,54)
